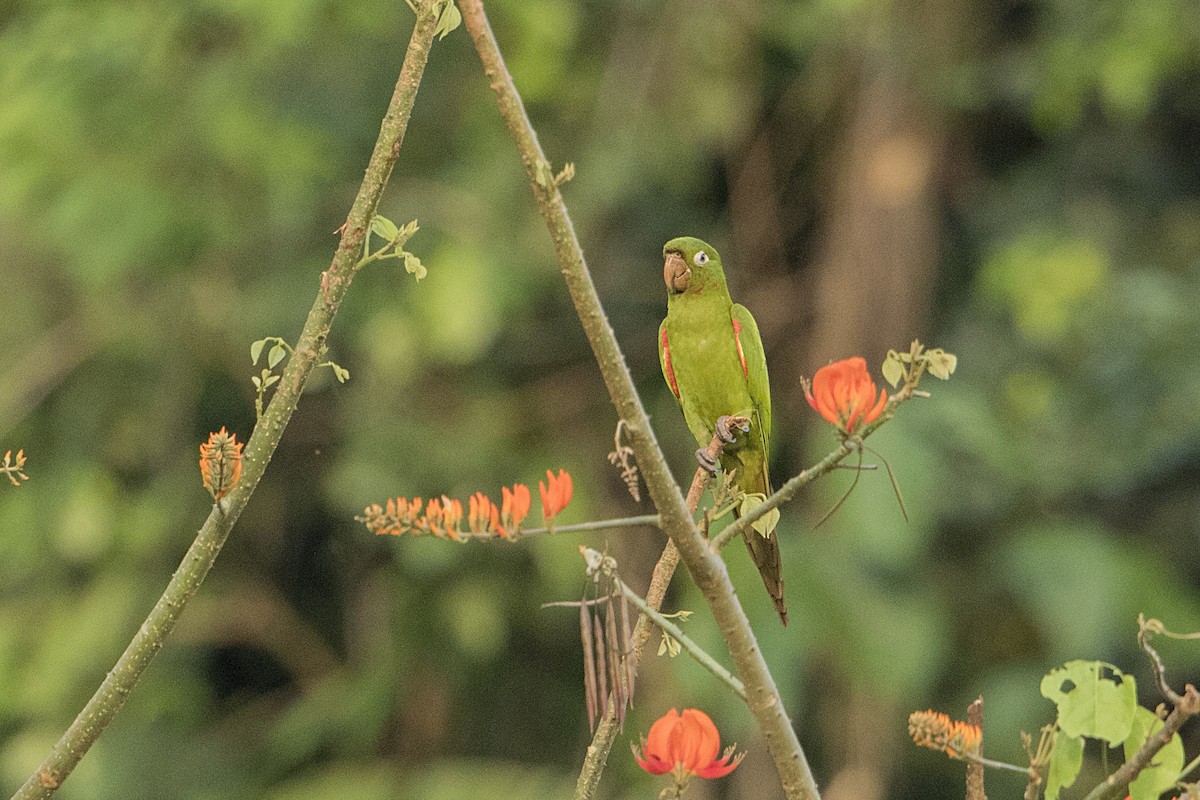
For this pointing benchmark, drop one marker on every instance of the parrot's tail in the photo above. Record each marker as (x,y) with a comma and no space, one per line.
(765,552)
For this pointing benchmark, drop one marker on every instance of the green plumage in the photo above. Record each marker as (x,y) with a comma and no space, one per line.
(712,358)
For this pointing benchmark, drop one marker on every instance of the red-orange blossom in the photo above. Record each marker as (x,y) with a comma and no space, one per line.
(844,394)
(686,744)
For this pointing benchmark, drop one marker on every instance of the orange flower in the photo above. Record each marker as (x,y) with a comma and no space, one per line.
(484,516)
(557,495)
(451,516)
(515,505)
(686,744)
(844,394)
(937,731)
(220,463)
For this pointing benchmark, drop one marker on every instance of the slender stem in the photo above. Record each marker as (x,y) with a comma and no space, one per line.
(110,697)
(706,567)
(987,762)
(1191,765)
(694,650)
(644,521)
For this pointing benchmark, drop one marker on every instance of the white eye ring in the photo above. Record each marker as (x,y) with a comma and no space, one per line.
(700,259)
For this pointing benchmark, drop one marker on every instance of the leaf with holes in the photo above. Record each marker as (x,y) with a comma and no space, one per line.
(1091,704)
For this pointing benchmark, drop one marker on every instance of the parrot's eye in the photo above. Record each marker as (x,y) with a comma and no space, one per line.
(700,259)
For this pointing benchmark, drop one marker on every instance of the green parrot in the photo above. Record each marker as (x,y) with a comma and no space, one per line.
(713,360)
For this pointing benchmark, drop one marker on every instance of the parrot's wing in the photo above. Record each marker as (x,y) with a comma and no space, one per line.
(664,360)
(754,368)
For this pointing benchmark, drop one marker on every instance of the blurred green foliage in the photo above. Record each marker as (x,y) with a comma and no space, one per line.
(170,178)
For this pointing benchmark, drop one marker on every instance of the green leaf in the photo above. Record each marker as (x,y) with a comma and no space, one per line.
(765,525)
(275,356)
(271,381)
(893,370)
(383,227)
(449,20)
(413,265)
(1164,767)
(257,383)
(940,363)
(1065,761)
(1090,704)
(256,350)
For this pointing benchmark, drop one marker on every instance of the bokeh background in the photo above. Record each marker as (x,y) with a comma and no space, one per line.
(1016,181)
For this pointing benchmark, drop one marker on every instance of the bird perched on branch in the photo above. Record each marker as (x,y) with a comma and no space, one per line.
(712,358)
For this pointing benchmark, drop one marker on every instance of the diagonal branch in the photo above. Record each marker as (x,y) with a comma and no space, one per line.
(675,632)
(706,567)
(1114,784)
(110,697)
(792,486)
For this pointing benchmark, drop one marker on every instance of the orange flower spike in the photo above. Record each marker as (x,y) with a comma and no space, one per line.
(937,731)
(686,744)
(556,493)
(844,394)
(221,463)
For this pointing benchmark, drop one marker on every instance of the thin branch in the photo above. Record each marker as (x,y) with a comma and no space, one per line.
(675,632)
(110,697)
(1115,784)
(643,521)
(706,567)
(792,487)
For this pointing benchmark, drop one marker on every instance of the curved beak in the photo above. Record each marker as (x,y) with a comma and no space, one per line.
(676,273)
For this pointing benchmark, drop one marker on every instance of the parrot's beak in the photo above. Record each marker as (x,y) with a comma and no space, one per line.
(676,273)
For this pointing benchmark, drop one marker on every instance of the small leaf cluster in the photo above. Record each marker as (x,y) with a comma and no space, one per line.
(909,367)
(280,350)
(393,247)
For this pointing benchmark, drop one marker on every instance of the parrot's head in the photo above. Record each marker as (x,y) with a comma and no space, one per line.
(689,263)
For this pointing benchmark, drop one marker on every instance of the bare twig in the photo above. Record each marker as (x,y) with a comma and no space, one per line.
(110,697)
(676,633)
(975,769)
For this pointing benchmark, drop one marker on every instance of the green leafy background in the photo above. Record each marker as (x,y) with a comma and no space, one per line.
(170,179)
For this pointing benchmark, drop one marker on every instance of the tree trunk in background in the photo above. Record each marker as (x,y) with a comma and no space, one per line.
(876,265)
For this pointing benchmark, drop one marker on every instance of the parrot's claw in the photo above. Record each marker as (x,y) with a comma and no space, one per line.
(725,428)
(707,462)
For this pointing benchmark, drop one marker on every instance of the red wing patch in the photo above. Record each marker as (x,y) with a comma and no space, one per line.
(667,368)
(737,338)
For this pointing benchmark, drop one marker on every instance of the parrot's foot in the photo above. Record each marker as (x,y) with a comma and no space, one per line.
(725,426)
(724,433)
